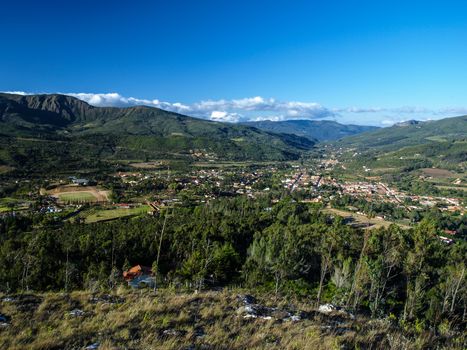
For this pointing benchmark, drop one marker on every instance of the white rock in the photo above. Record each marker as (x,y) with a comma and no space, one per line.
(327,308)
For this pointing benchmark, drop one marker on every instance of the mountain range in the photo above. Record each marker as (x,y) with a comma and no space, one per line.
(410,133)
(320,130)
(128,133)
(437,143)
(58,131)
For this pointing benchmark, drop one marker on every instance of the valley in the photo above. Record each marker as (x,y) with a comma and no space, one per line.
(217,211)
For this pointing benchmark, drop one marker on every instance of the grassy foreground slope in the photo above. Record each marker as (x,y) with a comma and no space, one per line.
(206,320)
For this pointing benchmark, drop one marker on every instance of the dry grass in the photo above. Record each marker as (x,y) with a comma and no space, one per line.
(167,320)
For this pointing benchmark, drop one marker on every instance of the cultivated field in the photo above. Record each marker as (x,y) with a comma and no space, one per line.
(437,173)
(80,194)
(147,165)
(103,214)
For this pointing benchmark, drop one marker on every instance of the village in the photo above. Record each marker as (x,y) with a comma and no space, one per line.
(148,187)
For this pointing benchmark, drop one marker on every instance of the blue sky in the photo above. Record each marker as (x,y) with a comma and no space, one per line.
(364,62)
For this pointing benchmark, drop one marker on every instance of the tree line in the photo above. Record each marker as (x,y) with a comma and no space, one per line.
(286,248)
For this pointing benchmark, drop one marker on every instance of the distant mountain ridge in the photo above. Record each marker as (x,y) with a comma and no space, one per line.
(411,133)
(129,133)
(321,130)
(434,143)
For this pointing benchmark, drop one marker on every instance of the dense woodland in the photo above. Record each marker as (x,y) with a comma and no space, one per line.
(285,248)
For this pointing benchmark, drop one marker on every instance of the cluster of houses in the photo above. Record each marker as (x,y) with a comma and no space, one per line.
(382,192)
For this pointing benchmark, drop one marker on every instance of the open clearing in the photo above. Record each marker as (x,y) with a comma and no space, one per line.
(79,194)
(95,215)
(146,165)
(78,197)
(456,188)
(437,173)
(361,221)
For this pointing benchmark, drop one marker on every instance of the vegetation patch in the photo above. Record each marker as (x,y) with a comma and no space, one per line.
(77,197)
(127,319)
(96,215)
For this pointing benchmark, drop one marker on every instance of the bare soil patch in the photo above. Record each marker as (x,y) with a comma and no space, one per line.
(146,165)
(99,195)
(438,173)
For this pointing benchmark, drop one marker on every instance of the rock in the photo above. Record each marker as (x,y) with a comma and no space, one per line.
(76,313)
(253,310)
(328,308)
(173,332)
(293,318)
(93,346)
(247,299)
(8,299)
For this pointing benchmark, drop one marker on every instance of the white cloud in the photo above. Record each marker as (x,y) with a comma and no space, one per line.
(221,110)
(17,93)
(223,116)
(259,108)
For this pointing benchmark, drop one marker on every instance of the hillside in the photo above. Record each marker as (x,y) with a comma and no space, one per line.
(411,133)
(321,130)
(405,153)
(31,126)
(207,320)
(439,142)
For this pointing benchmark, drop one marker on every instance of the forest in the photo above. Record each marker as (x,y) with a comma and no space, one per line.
(285,248)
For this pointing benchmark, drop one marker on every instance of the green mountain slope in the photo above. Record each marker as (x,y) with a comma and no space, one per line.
(410,133)
(321,130)
(410,145)
(126,133)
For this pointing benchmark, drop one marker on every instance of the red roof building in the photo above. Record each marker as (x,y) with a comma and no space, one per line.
(137,271)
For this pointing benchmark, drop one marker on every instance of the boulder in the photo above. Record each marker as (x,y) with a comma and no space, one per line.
(76,313)
(328,308)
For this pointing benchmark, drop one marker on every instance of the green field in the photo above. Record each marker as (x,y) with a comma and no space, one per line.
(77,197)
(7,204)
(95,215)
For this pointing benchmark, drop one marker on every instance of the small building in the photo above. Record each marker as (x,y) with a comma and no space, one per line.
(139,276)
(80,182)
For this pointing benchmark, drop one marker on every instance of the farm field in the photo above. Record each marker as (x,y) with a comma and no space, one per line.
(103,214)
(77,197)
(80,194)
(147,165)
(456,188)
(438,173)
